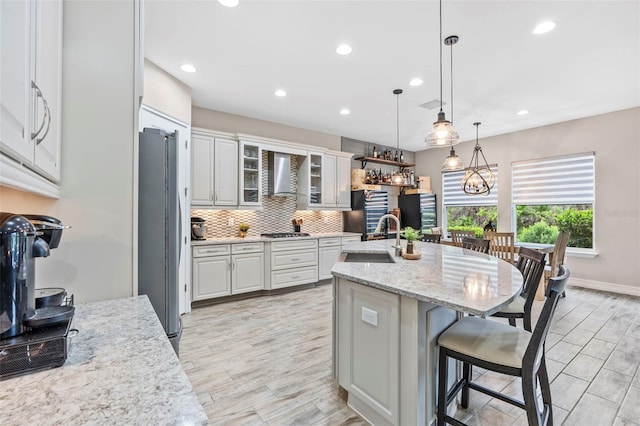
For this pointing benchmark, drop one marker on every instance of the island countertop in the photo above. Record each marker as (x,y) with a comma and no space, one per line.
(120,369)
(460,279)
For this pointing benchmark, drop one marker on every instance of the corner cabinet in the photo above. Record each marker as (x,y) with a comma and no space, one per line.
(30,121)
(250,176)
(214,171)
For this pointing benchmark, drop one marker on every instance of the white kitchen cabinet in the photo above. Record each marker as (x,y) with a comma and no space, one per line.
(223,269)
(247,266)
(328,251)
(250,176)
(337,180)
(293,263)
(214,171)
(211,277)
(310,181)
(31,42)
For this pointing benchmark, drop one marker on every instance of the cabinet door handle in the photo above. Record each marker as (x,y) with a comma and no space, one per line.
(295,259)
(216,195)
(46,113)
(295,277)
(228,265)
(233,265)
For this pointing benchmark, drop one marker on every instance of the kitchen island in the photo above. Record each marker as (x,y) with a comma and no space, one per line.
(387,317)
(120,369)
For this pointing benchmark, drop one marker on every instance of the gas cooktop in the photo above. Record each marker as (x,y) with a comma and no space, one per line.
(285,234)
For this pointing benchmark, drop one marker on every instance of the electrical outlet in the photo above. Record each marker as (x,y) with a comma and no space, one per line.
(325,219)
(231,221)
(370,316)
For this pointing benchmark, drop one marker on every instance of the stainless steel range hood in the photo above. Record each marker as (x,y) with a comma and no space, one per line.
(279,175)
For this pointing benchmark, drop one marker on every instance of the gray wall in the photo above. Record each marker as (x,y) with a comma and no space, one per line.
(614,138)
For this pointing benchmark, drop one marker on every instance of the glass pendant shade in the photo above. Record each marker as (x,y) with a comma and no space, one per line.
(442,133)
(478,178)
(452,163)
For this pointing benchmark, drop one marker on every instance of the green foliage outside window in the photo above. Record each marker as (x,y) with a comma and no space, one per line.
(471,218)
(541,224)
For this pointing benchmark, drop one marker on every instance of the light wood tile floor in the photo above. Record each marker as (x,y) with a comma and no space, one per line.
(267,360)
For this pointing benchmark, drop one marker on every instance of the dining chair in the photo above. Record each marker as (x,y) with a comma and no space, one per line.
(476,244)
(437,230)
(502,245)
(556,257)
(503,349)
(457,236)
(431,238)
(531,265)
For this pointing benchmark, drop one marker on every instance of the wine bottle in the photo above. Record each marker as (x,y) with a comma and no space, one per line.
(401,157)
(396,157)
(375,152)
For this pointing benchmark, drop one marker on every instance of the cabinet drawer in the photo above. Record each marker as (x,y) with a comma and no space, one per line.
(293,259)
(247,248)
(324,242)
(297,276)
(293,245)
(212,250)
(351,239)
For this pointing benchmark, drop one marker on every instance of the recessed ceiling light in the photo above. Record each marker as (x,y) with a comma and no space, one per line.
(188,68)
(228,3)
(345,111)
(343,49)
(544,27)
(416,82)
(523,112)
(280,93)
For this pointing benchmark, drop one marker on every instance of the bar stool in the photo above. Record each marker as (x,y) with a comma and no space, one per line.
(531,265)
(503,349)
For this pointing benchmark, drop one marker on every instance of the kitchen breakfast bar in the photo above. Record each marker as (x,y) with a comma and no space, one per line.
(388,313)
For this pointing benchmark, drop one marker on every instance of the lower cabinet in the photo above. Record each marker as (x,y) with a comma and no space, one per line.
(225,269)
(328,251)
(293,263)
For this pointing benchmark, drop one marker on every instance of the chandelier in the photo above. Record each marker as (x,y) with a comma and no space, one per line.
(442,133)
(478,179)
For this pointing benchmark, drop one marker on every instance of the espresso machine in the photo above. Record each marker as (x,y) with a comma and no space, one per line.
(34,323)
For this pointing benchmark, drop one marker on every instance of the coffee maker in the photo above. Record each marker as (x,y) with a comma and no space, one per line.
(198,229)
(32,336)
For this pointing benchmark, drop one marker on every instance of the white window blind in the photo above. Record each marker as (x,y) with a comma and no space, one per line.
(453,195)
(558,180)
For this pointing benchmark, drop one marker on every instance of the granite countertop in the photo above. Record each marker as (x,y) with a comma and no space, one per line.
(251,239)
(448,276)
(121,369)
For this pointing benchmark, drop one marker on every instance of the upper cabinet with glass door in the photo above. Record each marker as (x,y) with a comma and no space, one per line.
(250,175)
(310,175)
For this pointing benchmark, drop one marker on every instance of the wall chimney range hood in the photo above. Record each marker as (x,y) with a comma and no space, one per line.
(279,175)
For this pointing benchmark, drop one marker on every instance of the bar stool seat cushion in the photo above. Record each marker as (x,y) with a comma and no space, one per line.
(487,340)
(515,307)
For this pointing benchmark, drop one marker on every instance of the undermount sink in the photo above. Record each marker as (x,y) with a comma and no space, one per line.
(369,257)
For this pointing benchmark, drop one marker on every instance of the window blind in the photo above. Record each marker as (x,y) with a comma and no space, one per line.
(453,195)
(558,180)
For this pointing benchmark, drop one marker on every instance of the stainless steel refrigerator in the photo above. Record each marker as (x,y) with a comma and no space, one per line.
(159,230)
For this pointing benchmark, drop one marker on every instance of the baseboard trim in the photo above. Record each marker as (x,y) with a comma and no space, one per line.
(603,286)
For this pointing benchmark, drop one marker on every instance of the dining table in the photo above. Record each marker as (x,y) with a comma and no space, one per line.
(389,311)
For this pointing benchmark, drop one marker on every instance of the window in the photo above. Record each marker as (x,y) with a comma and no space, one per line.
(554,194)
(467,212)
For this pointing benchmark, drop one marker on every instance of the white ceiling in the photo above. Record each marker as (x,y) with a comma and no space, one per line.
(589,64)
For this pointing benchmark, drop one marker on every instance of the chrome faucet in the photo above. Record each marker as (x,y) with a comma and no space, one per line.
(378,230)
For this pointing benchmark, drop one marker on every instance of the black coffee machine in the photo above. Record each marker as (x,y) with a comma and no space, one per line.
(25,323)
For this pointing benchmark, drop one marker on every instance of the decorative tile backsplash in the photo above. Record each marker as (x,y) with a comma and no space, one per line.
(276,216)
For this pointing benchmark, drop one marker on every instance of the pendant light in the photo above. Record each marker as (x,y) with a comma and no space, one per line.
(442,133)
(397,177)
(452,163)
(478,179)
